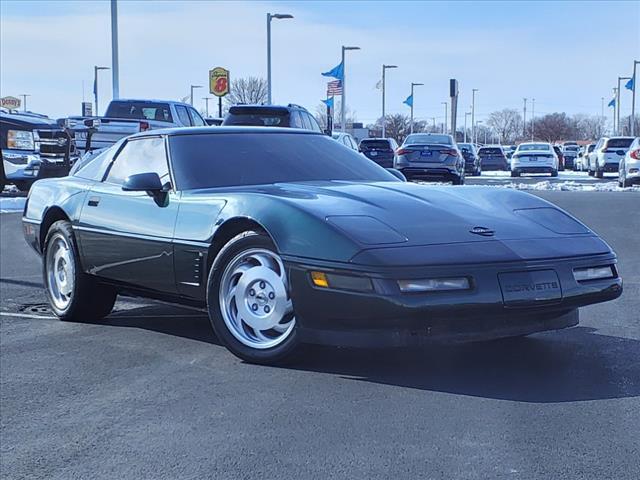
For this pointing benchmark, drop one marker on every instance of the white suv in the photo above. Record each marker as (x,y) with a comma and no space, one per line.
(607,155)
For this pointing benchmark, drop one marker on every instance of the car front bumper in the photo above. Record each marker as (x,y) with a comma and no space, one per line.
(386,317)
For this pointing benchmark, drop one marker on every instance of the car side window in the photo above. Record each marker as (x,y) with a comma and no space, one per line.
(305,120)
(196,119)
(313,123)
(295,120)
(140,156)
(183,115)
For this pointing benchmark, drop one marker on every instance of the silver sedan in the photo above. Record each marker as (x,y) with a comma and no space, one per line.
(629,171)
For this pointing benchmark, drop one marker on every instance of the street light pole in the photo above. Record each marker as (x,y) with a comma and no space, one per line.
(95,84)
(615,107)
(115,68)
(466,114)
(343,102)
(24,101)
(633,99)
(477,123)
(434,124)
(192,88)
(446,112)
(618,103)
(524,119)
(270,16)
(412,102)
(602,117)
(473,114)
(206,100)
(384,120)
(533,115)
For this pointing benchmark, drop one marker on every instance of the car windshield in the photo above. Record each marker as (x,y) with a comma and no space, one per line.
(140,111)
(619,142)
(571,148)
(257,117)
(234,159)
(416,139)
(490,151)
(533,146)
(465,147)
(375,144)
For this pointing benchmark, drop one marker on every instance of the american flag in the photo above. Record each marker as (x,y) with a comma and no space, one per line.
(334,88)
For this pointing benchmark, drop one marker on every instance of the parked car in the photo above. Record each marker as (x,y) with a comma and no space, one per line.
(214,121)
(293,116)
(380,150)
(285,237)
(33,147)
(629,171)
(608,153)
(493,157)
(570,154)
(125,117)
(472,163)
(346,139)
(582,162)
(534,157)
(558,151)
(430,155)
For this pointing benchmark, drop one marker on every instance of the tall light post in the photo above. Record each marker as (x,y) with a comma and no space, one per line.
(466,114)
(615,106)
(433,119)
(473,114)
(95,84)
(633,98)
(115,68)
(193,87)
(602,118)
(618,103)
(384,121)
(24,101)
(412,102)
(533,115)
(445,125)
(270,16)
(343,102)
(206,100)
(476,130)
(524,119)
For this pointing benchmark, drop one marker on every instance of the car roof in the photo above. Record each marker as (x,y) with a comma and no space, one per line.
(223,129)
(149,100)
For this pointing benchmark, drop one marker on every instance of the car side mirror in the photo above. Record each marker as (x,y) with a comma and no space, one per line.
(397,173)
(143,182)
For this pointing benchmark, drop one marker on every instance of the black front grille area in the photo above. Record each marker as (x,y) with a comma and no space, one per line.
(55,145)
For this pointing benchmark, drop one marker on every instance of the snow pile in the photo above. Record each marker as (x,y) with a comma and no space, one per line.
(12,204)
(565,186)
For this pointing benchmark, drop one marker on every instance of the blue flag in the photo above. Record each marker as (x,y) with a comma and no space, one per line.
(328,102)
(612,103)
(336,72)
(630,85)
(409,101)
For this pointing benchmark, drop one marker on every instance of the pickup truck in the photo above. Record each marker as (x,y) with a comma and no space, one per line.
(125,117)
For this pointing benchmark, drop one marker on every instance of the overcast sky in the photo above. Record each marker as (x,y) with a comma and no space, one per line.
(566,55)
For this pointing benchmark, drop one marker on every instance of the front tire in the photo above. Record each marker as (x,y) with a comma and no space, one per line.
(248,301)
(73,295)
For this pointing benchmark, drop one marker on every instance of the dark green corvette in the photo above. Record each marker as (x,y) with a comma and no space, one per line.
(287,237)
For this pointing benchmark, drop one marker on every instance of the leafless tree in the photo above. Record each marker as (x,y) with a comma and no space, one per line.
(251,90)
(588,127)
(321,115)
(555,127)
(507,124)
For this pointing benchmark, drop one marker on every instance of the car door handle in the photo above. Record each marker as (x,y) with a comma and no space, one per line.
(93,201)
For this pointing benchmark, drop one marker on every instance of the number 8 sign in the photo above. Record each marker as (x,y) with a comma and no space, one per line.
(219,81)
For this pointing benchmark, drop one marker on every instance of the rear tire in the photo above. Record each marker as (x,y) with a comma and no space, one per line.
(248,276)
(599,173)
(554,173)
(73,295)
(515,174)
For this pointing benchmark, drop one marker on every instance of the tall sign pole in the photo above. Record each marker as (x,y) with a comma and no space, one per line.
(115,68)
(219,85)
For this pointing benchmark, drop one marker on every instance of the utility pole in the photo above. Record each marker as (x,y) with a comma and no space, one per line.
(24,101)
(412,102)
(271,16)
(524,119)
(473,115)
(115,68)
(384,120)
(533,115)
(633,99)
(206,100)
(445,124)
(618,103)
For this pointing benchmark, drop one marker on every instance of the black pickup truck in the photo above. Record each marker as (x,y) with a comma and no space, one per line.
(33,146)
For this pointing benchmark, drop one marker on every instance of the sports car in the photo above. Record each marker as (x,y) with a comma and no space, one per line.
(286,238)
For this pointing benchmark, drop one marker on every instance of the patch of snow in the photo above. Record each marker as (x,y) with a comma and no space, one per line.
(12,204)
(565,186)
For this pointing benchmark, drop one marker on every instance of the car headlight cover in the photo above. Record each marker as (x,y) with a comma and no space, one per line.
(20,140)
(593,273)
(434,285)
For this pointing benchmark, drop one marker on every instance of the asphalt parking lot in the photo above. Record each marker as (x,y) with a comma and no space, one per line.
(150,394)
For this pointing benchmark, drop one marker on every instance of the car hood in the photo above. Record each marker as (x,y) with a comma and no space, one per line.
(412,214)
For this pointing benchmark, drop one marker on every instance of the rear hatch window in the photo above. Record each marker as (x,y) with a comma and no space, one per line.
(490,152)
(375,145)
(140,111)
(619,143)
(257,117)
